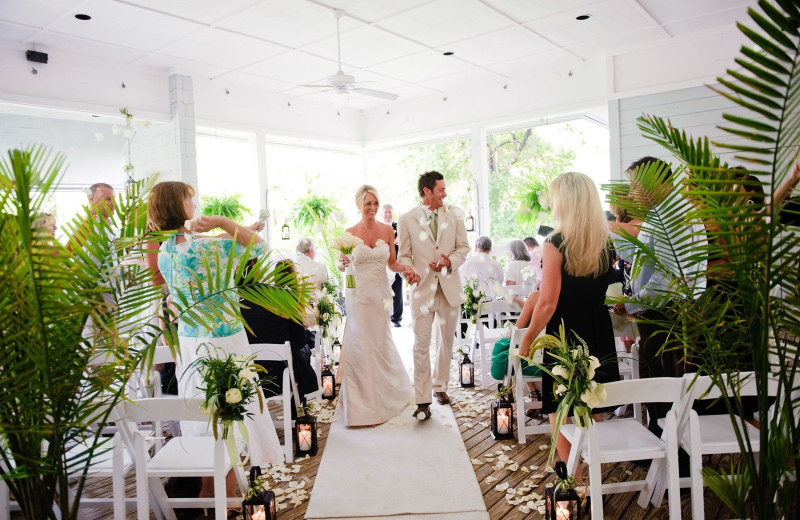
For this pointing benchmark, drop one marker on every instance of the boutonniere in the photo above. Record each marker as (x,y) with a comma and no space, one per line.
(445,209)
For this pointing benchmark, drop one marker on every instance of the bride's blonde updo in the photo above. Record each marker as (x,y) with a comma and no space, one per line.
(362,192)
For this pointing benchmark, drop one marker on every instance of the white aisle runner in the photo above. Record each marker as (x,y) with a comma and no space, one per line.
(401,468)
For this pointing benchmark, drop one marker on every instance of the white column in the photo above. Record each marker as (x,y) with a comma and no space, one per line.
(181,109)
(480,175)
(260,149)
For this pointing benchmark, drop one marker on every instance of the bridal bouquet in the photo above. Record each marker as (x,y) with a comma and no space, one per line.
(346,243)
(229,384)
(573,379)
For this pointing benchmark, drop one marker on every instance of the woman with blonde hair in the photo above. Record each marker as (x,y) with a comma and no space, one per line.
(576,271)
(375,384)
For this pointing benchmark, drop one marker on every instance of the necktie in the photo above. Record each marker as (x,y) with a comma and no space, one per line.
(434,224)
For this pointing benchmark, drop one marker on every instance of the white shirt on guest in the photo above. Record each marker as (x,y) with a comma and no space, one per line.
(489,273)
(514,273)
(316,272)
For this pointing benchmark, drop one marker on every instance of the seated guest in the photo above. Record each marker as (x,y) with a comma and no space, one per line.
(500,352)
(519,261)
(268,327)
(305,264)
(535,252)
(483,267)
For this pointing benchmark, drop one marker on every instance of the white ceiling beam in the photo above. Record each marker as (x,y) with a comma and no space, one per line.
(639,8)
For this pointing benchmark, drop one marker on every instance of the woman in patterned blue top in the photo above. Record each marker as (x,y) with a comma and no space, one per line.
(186,259)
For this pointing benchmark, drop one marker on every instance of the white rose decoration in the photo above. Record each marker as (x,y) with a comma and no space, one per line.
(233,396)
(561,390)
(247,374)
(560,371)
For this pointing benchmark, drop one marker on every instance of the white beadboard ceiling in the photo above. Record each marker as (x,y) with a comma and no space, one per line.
(278,45)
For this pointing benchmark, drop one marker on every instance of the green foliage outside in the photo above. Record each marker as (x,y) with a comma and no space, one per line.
(226,206)
(521,166)
(309,211)
(453,159)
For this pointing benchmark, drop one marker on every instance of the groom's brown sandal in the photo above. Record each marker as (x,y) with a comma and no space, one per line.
(423,409)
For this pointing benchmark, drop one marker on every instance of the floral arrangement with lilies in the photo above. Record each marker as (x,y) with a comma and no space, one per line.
(229,384)
(346,243)
(327,313)
(475,298)
(573,378)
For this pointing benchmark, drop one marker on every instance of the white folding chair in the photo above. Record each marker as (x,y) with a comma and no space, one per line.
(281,352)
(317,362)
(628,362)
(201,456)
(521,388)
(620,440)
(485,334)
(711,434)
(110,460)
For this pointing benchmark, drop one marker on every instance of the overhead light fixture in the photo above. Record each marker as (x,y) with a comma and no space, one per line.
(448,53)
(83,17)
(583,17)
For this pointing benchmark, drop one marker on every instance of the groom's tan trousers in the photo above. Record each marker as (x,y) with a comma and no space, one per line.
(445,316)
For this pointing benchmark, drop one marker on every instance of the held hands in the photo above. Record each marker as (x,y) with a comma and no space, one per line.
(344,261)
(439,265)
(410,276)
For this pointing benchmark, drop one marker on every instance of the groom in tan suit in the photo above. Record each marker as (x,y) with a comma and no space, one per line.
(433,240)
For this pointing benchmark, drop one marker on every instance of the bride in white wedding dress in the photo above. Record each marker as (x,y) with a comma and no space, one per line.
(375,384)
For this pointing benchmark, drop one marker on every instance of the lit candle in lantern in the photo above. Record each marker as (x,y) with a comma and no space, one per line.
(260,515)
(304,437)
(562,513)
(466,373)
(503,420)
(327,386)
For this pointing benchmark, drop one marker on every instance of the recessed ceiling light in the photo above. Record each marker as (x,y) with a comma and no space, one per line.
(448,53)
(583,17)
(83,17)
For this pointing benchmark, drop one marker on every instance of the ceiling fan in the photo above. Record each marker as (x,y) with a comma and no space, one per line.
(342,84)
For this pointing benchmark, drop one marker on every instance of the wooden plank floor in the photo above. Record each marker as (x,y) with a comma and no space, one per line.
(479,443)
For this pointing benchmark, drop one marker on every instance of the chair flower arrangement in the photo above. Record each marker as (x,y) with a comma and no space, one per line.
(229,384)
(475,299)
(573,379)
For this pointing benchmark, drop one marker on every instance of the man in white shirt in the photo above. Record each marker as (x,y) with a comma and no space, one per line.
(488,271)
(306,266)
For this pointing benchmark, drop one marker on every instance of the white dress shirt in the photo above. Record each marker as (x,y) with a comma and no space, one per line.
(489,273)
(316,272)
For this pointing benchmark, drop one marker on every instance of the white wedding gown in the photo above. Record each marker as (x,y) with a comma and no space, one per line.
(376,386)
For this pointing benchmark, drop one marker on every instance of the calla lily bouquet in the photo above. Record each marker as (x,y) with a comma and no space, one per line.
(346,243)
(573,378)
(229,384)
(475,298)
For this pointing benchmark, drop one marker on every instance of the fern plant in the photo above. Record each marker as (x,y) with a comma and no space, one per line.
(225,205)
(749,317)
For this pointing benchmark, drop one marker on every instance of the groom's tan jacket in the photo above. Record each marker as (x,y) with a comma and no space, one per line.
(418,248)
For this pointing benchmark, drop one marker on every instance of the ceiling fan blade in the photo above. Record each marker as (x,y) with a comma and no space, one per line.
(365,83)
(375,93)
(316,86)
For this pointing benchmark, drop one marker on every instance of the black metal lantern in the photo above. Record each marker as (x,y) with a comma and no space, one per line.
(563,504)
(305,435)
(260,505)
(328,384)
(466,372)
(502,418)
(286,233)
(130,184)
(470,222)
(336,351)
